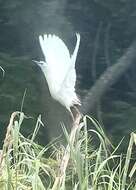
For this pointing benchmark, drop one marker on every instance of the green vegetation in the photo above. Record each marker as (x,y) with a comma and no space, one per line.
(83,164)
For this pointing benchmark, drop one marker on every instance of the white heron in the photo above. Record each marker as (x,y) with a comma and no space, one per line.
(59,69)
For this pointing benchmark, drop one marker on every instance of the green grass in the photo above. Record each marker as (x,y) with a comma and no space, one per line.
(88,162)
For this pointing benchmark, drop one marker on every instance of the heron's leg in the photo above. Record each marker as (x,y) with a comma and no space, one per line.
(75,113)
(72,115)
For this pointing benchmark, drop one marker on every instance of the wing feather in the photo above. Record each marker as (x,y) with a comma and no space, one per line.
(74,55)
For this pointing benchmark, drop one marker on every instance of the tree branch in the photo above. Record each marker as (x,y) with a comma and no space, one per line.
(108,78)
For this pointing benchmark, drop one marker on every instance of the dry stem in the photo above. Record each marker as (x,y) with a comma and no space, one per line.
(8,140)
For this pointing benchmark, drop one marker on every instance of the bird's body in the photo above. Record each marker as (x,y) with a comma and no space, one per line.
(59,69)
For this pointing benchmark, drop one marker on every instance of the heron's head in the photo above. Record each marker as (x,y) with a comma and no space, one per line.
(41,64)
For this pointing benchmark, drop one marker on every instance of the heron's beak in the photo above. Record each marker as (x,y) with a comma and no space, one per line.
(37,62)
(3,72)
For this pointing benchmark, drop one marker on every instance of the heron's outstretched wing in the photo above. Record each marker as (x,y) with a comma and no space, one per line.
(57,57)
(70,78)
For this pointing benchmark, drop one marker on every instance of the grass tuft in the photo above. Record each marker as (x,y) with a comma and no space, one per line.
(82,165)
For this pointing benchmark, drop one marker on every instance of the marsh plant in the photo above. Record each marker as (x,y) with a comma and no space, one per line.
(88,162)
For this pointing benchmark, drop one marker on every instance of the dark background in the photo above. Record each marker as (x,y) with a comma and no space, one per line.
(107,28)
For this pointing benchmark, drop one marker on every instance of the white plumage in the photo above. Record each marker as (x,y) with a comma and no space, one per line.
(59,69)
